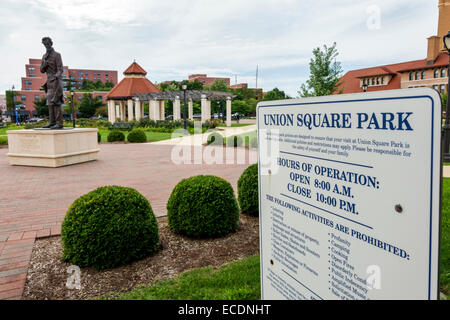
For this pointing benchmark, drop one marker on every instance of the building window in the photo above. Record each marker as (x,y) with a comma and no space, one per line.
(23,98)
(382,80)
(423,75)
(436,87)
(417,75)
(436,73)
(443,73)
(442,88)
(31,69)
(378,80)
(31,75)
(411,76)
(36,97)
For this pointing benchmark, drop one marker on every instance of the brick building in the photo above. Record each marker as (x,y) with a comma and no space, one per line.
(34,80)
(207,81)
(430,72)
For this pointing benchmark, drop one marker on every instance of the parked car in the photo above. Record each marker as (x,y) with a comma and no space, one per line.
(169,117)
(197,116)
(35,120)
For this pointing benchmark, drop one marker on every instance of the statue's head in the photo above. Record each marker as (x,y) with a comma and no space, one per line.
(47,42)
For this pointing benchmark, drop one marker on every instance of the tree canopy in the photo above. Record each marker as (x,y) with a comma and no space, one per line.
(89,105)
(275,94)
(325,73)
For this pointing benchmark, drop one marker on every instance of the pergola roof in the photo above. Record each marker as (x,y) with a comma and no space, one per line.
(134,82)
(190,95)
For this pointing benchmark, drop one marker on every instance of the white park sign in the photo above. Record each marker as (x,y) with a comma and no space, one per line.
(349,191)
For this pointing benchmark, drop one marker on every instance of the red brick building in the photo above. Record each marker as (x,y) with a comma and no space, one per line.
(34,80)
(207,81)
(430,72)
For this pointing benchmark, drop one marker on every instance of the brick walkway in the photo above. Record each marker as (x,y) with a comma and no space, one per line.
(33,201)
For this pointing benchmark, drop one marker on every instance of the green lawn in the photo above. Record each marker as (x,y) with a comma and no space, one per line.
(246,137)
(236,125)
(239,280)
(3,130)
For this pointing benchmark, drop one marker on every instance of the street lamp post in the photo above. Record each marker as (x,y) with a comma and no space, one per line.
(446,127)
(184,87)
(73,108)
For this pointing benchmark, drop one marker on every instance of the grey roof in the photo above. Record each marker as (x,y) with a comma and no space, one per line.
(190,94)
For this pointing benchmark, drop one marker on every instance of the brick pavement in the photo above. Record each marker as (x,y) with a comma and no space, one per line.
(33,201)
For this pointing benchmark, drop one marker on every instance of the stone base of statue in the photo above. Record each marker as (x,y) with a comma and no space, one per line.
(52,148)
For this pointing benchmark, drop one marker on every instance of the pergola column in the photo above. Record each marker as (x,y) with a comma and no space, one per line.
(117,109)
(137,109)
(190,109)
(176,109)
(162,113)
(203,108)
(154,110)
(108,103)
(228,112)
(130,110)
(122,110)
(208,110)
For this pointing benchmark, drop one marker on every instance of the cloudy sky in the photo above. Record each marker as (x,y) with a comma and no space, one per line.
(172,39)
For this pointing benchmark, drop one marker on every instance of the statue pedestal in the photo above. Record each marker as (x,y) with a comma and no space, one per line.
(52,148)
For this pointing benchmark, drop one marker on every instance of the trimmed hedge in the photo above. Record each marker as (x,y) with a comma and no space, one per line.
(215,138)
(203,206)
(109,227)
(137,136)
(248,191)
(116,135)
(234,141)
(99,137)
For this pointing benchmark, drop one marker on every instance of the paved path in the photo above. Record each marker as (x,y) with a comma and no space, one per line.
(201,139)
(33,201)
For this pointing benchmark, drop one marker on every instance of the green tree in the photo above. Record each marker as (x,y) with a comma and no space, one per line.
(40,105)
(88,85)
(89,105)
(239,106)
(195,85)
(275,94)
(325,73)
(11,99)
(98,85)
(252,106)
(244,94)
(219,85)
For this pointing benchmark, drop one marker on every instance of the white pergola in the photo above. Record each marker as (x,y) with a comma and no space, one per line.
(156,101)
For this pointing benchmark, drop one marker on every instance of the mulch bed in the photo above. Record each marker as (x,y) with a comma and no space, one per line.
(47,274)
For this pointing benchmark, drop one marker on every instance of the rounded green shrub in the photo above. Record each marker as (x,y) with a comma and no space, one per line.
(137,136)
(203,206)
(99,137)
(109,227)
(234,141)
(253,142)
(248,191)
(116,135)
(215,138)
